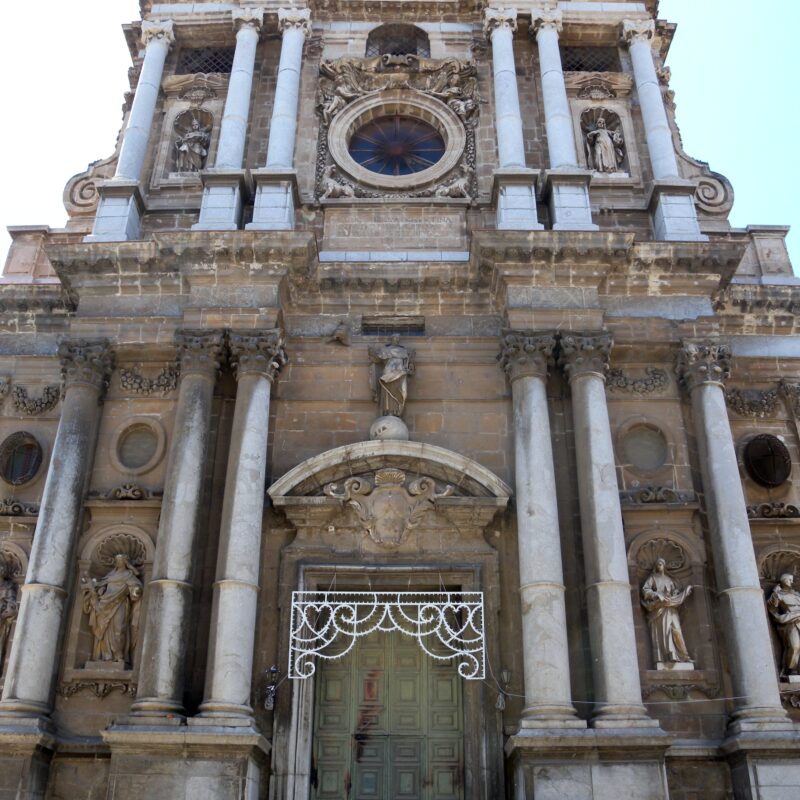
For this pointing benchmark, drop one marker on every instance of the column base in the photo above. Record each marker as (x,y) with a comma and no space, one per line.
(567,194)
(218,713)
(119,213)
(550,717)
(155,711)
(224,192)
(514,197)
(616,717)
(275,201)
(672,207)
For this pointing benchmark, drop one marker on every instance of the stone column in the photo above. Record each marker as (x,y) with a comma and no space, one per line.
(223,185)
(169,593)
(33,662)
(515,193)
(566,185)
(672,198)
(257,358)
(617,688)
(277,183)
(121,205)
(703,369)
(526,358)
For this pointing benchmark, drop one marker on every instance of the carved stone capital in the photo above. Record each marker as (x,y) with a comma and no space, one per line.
(585,353)
(703,362)
(199,351)
(299,18)
(636,30)
(155,31)
(247,18)
(526,354)
(257,352)
(494,18)
(87,363)
(546,19)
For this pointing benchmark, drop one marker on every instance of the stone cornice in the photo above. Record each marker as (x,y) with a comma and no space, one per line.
(260,352)
(702,363)
(527,353)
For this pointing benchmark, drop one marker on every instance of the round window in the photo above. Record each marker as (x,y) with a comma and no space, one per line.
(644,447)
(137,446)
(20,458)
(767,460)
(397,145)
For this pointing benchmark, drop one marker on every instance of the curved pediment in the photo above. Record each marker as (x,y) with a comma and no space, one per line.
(466,476)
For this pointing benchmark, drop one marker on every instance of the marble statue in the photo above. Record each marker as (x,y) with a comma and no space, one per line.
(390,388)
(112,604)
(8,608)
(332,187)
(606,147)
(784,608)
(192,146)
(662,598)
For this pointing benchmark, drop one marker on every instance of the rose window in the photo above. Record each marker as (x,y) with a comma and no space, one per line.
(397,145)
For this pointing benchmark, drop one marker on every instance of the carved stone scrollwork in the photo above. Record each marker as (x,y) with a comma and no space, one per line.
(247,17)
(296,18)
(80,196)
(33,406)
(773,511)
(585,353)
(257,352)
(128,491)
(654,382)
(98,688)
(86,362)
(525,354)
(654,494)
(14,508)
(551,19)
(199,351)
(499,18)
(703,362)
(752,402)
(679,691)
(386,508)
(131,380)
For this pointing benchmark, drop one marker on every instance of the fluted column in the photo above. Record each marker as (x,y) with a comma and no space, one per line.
(276,183)
(672,199)
(223,185)
(703,368)
(615,667)
(526,358)
(33,662)
(169,593)
(566,185)
(257,358)
(119,211)
(514,183)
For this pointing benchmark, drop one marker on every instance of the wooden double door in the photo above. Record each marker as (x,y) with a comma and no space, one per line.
(388,724)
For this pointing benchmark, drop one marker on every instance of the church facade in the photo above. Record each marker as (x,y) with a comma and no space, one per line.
(398,415)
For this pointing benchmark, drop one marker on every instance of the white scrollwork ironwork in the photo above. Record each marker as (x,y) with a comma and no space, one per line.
(446,625)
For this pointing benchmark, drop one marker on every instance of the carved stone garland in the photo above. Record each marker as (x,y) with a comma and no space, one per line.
(131,380)
(654,382)
(752,402)
(33,406)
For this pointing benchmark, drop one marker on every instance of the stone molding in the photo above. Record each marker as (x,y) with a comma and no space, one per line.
(261,353)
(645,495)
(87,363)
(702,363)
(248,17)
(294,18)
(152,31)
(9,507)
(549,18)
(200,351)
(494,18)
(773,511)
(527,354)
(637,30)
(584,354)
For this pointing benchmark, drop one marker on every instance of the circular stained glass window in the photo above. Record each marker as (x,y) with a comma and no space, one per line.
(397,145)
(20,458)
(767,460)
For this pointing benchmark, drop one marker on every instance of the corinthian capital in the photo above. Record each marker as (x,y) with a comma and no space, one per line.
(247,17)
(585,353)
(637,30)
(494,18)
(87,363)
(155,31)
(703,362)
(294,18)
(199,351)
(257,352)
(526,354)
(546,19)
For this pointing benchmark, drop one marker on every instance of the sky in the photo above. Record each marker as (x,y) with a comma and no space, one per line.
(734,65)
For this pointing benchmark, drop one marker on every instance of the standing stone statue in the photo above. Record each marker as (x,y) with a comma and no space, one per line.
(192,146)
(390,388)
(9,607)
(784,608)
(112,604)
(605,147)
(662,597)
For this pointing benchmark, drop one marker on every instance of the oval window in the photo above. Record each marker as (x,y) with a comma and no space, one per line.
(644,447)
(20,458)
(137,446)
(767,460)
(397,145)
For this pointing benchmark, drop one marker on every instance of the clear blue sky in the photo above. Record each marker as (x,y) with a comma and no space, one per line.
(734,70)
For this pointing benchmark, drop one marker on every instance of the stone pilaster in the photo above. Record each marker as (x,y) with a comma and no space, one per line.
(703,368)
(86,368)
(526,358)
(166,627)
(257,358)
(617,688)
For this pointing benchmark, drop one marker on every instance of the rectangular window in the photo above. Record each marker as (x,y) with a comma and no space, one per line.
(590,59)
(205,59)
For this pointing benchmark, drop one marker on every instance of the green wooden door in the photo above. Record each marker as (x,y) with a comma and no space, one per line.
(387,724)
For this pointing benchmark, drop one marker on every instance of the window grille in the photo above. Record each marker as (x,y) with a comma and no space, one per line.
(393,326)
(205,59)
(590,59)
(398,40)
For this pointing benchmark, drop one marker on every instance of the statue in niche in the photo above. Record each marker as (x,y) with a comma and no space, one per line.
(9,607)
(784,608)
(112,604)
(604,147)
(662,598)
(192,147)
(390,388)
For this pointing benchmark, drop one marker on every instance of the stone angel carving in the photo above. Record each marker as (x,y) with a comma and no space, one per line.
(390,388)
(662,598)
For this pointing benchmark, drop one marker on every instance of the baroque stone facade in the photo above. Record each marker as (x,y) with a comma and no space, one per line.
(399,415)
